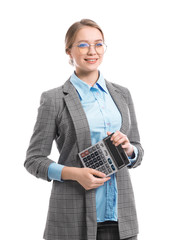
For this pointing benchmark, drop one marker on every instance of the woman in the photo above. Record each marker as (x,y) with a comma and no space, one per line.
(84,203)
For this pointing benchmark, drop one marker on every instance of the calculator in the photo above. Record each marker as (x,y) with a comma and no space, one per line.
(104,156)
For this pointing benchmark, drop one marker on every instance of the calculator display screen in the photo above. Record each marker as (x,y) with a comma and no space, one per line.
(112,148)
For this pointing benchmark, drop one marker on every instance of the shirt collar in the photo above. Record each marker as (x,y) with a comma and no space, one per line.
(83,88)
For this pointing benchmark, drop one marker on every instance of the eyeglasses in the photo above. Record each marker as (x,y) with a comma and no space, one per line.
(84,47)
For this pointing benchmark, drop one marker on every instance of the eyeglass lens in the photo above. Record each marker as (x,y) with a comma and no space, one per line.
(99,48)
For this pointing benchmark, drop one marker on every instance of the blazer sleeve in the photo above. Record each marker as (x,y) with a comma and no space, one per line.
(133,133)
(37,161)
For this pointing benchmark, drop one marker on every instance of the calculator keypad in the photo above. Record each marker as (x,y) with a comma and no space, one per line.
(97,157)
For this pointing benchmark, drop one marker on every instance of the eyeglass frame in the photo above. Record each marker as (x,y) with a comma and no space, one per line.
(89,45)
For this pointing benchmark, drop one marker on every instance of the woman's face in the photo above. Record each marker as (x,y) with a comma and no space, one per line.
(87,62)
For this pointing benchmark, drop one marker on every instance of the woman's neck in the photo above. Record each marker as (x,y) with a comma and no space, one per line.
(88,77)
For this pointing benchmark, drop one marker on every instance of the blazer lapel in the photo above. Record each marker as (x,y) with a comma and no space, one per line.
(83,137)
(78,116)
(122,106)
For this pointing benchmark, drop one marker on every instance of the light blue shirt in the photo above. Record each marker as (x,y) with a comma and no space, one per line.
(103,116)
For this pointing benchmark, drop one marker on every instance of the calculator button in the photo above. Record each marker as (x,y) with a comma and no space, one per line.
(100,163)
(109,170)
(97,146)
(100,151)
(91,162)
(97,165)
(87,164)
(99,169)
(85,159)
(90,150)
(109,160)
(89,157)
(103,168)
(107,165)
(106,153)
(86,152)
(95,160)
(101,144)
(93,148)
(113,168)
(92,166)
(96,153)
(104,160)
(98,158)
(92,155)
(82,154)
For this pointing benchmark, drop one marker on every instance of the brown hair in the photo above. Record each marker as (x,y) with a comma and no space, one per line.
(73,30)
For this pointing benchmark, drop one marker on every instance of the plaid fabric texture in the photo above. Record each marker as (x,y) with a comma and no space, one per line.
(72,209)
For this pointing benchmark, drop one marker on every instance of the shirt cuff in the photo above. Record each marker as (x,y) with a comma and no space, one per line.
(134,156)
(54,171)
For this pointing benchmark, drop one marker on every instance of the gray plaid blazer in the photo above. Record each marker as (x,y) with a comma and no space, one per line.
(72,209)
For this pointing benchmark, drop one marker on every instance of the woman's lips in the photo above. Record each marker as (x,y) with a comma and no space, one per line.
(91,60)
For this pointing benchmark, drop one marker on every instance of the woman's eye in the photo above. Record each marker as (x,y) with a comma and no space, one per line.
(82,45)
(99,44)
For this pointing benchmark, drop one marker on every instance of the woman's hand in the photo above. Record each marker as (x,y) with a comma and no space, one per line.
(120,138)
(87,177)
(90,178)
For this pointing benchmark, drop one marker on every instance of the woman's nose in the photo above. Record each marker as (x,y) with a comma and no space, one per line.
(92,50)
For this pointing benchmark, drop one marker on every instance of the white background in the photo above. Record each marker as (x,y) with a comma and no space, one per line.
(139,35)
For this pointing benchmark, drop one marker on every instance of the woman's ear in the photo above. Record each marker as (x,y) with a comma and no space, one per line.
(68,52)
(70,56)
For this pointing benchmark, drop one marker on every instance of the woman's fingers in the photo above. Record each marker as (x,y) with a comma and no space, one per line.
(99,178)
(119,138)
(90,178)
(97,173)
